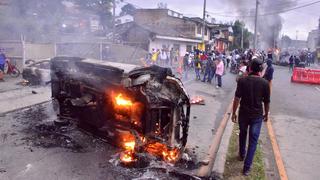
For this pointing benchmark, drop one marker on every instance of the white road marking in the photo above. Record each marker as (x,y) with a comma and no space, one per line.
(317,88)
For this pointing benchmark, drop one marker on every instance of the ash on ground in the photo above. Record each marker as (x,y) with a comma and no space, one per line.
(34,128)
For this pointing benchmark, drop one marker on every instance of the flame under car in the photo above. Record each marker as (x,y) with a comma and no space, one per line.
(141,109)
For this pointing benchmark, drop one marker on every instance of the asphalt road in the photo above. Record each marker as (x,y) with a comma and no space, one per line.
(31,147)
(295,113)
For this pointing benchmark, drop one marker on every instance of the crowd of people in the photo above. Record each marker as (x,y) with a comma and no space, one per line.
(210,66)
(162,57)
(301,59)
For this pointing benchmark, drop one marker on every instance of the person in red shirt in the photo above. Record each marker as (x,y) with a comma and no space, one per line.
(203,57)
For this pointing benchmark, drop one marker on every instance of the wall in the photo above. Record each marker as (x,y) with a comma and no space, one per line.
(12,48)
(33,51)
(312,40)
(105,51)
(198,34)
(160,17)
(139,37)
(157,44)
(39,51)
(145,16)
(14,51)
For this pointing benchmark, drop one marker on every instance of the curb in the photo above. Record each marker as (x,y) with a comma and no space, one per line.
(7,112)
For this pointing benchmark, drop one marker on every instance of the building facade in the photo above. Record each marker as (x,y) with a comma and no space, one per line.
(313,39)
(165,29)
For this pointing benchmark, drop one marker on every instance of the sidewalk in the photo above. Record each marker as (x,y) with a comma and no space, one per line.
(205,119)
(14,96)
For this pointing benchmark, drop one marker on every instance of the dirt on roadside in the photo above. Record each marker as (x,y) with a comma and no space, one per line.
(233,167)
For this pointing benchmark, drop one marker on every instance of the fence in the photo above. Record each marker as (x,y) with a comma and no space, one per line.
(20,51)
(103,51)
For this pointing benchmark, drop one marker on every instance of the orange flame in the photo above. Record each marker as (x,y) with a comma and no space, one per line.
(127,156)
(170,155)
(158,149)
(121,101)
(129,144)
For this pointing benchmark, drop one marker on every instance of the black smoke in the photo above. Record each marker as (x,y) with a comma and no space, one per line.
(270,22)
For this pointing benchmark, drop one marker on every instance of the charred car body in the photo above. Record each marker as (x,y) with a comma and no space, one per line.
(138,108)
(37,73)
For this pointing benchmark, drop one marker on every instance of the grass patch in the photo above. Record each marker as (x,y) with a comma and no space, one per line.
(233,167)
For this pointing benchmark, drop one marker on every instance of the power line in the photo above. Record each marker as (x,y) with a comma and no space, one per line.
(265,14)
(271,6)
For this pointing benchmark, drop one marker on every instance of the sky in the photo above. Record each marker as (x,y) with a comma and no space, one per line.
(296,23)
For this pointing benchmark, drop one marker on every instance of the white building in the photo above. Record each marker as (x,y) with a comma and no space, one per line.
(313,39)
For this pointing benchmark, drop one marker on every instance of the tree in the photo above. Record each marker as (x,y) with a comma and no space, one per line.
(37,19)
(237,34)
(127,9)
(102,8)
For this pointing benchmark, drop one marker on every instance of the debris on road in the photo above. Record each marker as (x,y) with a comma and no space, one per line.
(2,170)
(197,100)
(24,83)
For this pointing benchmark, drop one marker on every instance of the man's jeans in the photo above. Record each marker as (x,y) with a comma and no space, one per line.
(207,73)
(219,78)
(254,132)
(185,73)
(212,75)
(197,70)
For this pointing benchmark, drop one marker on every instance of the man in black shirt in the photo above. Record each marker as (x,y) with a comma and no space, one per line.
(251,92)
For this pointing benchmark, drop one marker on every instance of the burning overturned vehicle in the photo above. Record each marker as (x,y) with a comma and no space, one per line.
(141,109)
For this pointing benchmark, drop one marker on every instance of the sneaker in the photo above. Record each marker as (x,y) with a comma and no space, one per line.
(217,87)
(246,171)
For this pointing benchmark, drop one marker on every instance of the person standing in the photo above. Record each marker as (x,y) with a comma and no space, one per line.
(197,67)
(269,73)
(186,65)
(2,63)
(207,71)
(229,57)
(163,57)
(291,61)
(172,55)
(154,56)
(219,72)
(242,70)
(213,69)
(296,61)
(251,92)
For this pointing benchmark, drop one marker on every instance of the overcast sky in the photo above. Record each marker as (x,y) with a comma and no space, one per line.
(302,20)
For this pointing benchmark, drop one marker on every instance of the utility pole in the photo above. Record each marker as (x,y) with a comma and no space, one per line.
(242,26)
(204,19)
(255,25)
(318,45)
(113,19)
(274,38)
